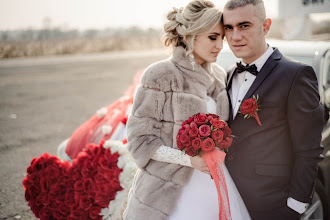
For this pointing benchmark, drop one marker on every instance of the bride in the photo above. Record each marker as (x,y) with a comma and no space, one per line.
(170,184)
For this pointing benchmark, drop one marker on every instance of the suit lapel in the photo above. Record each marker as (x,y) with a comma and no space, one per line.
(229,82)
(264,72)
(230,78)
(235,124)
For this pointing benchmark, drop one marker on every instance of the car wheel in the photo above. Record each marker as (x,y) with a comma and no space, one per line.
(319,208)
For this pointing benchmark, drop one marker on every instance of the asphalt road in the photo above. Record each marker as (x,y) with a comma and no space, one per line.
(43,100)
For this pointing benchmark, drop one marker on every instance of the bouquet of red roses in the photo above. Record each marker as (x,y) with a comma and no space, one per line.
(209,136)
(203,133)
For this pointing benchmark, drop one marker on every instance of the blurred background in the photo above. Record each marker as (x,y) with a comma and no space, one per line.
(56,27)
(61,60)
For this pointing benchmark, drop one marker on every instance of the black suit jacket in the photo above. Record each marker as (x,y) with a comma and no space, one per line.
(279,159)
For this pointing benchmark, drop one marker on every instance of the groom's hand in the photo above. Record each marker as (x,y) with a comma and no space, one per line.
(197,162)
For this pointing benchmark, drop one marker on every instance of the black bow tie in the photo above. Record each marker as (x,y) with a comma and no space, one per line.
(251,69)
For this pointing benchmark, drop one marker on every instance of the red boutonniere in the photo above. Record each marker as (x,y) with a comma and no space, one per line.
(250,107)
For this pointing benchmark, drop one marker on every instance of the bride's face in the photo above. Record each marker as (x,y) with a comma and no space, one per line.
(207,46)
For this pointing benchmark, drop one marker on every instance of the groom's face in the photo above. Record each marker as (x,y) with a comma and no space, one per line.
(245,33)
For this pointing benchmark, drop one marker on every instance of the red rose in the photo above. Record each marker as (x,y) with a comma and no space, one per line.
(208,145)
(186,127)
(79,186)
(249,106)
(193,125)
(94,212)
(103,162)
(187,144)
(88,166)
(101,199)
(224,144)
(193,132)
(229,140)
(33,190)
(28,195)
(46,212)
(55,189)
(185,140)
(213,115)
(64,210)
(107,175)
(217,135)
(29,170)
(44,199)
(71,217)
(216,123)
(180,145)
(191,151)
(38,200)
(114,183)
(88,184)
(180,132)
(204,130)
(85,202)
(113,158)
(201,119)
(56,214)
(25,182)
(75,210)
(226,131)
(196,143)
(69,197)
(64,179)
(100,178)
(188,121)
(44,184)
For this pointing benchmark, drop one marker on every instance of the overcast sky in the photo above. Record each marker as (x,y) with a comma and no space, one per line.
(85,14)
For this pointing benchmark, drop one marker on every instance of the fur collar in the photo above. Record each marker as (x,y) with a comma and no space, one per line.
(180,58)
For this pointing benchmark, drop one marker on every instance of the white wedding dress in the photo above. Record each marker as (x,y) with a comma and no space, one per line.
(199,199)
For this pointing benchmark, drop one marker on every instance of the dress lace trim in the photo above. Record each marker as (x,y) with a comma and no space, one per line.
(171,155)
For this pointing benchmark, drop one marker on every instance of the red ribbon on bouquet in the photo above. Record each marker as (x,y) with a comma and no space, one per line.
(214,161)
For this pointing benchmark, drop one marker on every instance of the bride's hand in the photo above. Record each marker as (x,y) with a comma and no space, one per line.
(197,162)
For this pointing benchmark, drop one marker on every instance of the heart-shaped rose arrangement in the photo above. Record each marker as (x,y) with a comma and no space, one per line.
(95,184)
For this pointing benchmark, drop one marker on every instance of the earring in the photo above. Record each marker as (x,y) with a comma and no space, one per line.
(192,60)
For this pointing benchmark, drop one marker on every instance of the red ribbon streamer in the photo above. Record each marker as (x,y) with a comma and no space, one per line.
(214,161)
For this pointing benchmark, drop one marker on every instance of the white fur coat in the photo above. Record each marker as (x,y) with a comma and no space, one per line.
(170,92)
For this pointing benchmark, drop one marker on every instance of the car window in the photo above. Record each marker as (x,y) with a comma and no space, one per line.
(303,59)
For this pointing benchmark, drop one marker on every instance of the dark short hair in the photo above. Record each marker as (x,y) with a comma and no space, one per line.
(258,5)
(232,4)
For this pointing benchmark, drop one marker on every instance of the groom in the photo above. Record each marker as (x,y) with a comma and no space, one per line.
(274,165)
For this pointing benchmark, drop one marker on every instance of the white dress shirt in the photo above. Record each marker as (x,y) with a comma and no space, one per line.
(241,83)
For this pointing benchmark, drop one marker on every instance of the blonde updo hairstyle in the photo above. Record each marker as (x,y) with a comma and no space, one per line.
(185,24)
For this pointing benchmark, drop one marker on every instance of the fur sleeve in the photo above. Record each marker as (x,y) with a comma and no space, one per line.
(145,122)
